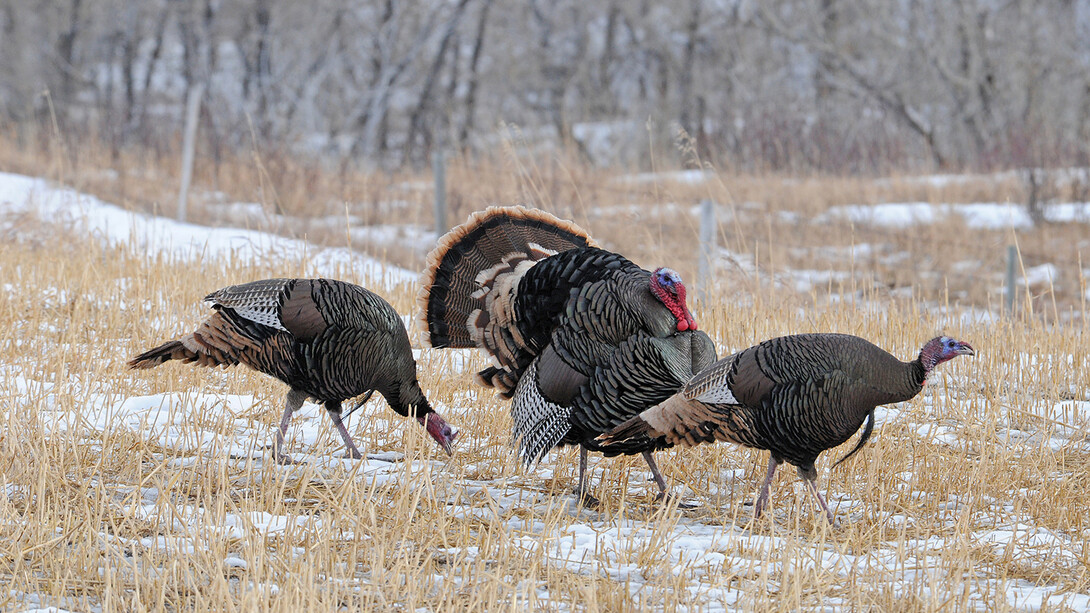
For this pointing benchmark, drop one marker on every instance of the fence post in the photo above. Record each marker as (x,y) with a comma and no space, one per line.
(439,168)
(1012,254)
(192,106)
(707,246)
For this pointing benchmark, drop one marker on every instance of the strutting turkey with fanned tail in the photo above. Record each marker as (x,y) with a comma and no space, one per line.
(794,395)
(329,340)
(580,338)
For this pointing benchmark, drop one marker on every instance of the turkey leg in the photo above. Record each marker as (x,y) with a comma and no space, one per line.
(580,491)
(821,501)
(334,410)
(663,493)
(762,500)
(655,473)
(294,400)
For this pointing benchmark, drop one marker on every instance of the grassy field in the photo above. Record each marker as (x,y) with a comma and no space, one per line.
(773,230)
(132,491)
(152,490)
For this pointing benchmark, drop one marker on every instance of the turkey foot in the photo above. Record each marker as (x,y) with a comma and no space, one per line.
(821,502)
(664,494)
(586,499)
(667,498)
(762,499)
(284,459)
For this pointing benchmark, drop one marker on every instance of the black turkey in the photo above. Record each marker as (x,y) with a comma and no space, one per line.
(794,395)
(580,338)
(329,340)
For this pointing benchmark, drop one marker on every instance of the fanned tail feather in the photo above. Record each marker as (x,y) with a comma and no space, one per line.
(449,287)
(502,380)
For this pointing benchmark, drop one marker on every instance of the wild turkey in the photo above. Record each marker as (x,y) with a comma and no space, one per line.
(329,340)
(580,338)
(794,395)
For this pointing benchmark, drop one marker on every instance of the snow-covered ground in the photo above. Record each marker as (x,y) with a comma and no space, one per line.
(983,215)
(188,242)
(711,554)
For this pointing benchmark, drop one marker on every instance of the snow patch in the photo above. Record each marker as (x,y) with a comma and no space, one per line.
(187,242)
(983,216)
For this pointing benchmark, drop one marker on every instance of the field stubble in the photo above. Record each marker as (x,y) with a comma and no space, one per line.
(968,497)
(128,491)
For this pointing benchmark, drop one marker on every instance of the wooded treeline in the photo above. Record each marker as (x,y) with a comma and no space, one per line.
(796,85)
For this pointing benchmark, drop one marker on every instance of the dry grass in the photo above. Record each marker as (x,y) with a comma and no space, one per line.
(767,224)
(100,515)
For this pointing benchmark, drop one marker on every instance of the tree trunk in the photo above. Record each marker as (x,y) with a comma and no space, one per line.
(688,67)
(66,48)
(140,117)
(468,122)
(830,25)
(416,120)
(262,66)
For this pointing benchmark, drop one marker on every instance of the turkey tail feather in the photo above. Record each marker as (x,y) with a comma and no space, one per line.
(862,439)
(218,341)
(172,350)
(491,243)
(179,350)
(633,429)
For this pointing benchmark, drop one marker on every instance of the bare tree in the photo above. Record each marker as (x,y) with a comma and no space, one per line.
(798,84)
(65,54)
(424,101)
(473,76)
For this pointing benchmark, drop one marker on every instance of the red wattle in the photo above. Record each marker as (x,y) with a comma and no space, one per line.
(682,325)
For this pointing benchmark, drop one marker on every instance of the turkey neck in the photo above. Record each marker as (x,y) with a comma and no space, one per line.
(408,399)
(883,378)
(914,376)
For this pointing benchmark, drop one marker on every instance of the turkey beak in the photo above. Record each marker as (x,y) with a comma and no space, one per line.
(965,349)
(439,430)
(448,441)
